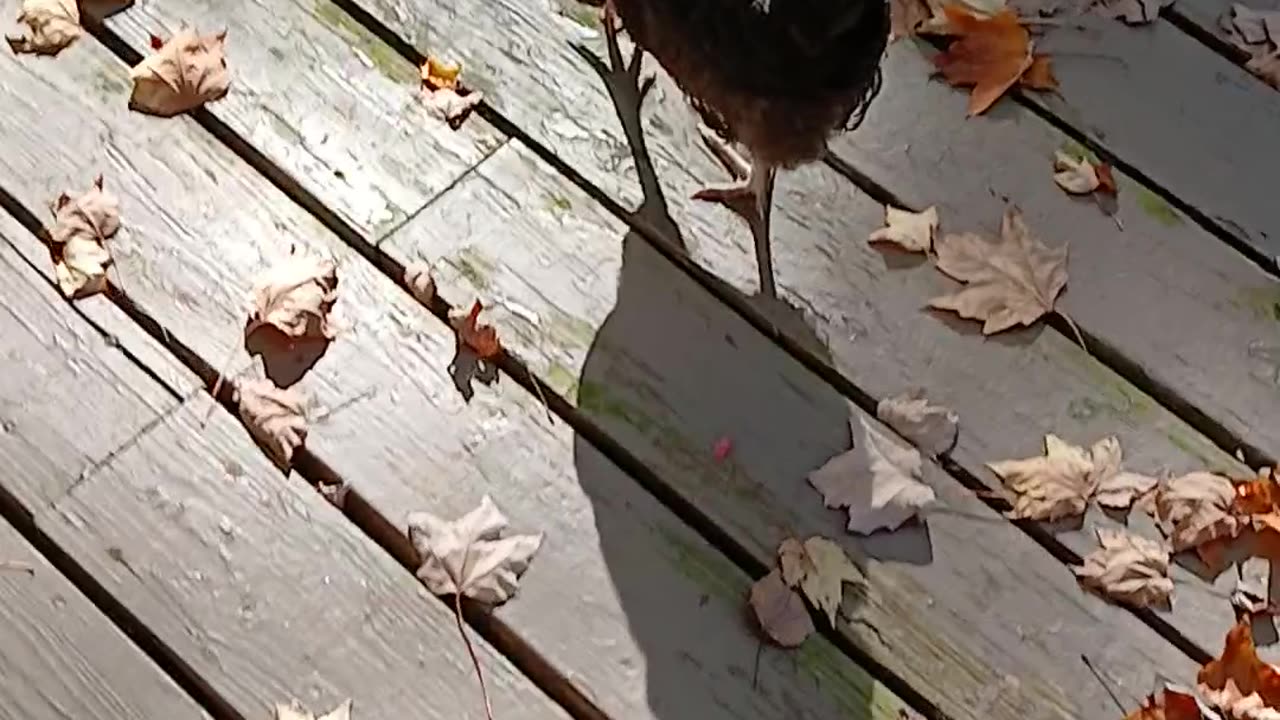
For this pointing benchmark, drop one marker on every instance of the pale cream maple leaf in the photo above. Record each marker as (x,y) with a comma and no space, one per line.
(275,417)
(878,481)
(295,711)
(295,296)
(1011,280)
(931,428)
(820,568)
(908,230)
(51,26)
(1076,176)
(421,284)
(186,72)
(780,611)
(467,556)
(1195,508)
(1055,485)
(81,226)
(1115,488)
(1128,569)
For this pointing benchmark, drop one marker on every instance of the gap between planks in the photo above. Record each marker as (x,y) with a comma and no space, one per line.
(378,529)
(320,476)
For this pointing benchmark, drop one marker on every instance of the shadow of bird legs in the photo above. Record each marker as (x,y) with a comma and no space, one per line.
(628,91)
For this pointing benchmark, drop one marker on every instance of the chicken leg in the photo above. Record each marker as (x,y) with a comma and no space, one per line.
(750,196)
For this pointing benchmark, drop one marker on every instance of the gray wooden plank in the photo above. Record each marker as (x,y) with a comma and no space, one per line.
(475,214)
(1011,390)
(669,371)
(59,655)
(1187,118)
(1127,286)
(176,523)
(408,441)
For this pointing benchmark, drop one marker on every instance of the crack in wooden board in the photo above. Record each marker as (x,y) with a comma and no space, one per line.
(178,185)
(59,655)
(177,529)
(475,267)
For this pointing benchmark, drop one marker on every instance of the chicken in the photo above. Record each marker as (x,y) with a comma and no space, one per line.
(778,76)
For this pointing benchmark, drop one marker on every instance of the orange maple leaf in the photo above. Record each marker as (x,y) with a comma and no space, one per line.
(1169,705)
(991,55)
(1239,673)
(482,339)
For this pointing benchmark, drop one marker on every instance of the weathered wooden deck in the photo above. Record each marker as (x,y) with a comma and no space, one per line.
(165,568)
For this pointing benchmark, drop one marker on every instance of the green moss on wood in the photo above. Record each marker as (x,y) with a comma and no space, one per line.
(1078,151)
(706,568)
(474,266)
(1155,206)
(1262,302)
(563,380)
(383,57)
(840,679)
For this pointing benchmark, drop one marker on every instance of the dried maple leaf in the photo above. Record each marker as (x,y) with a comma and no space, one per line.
(1010,281)
(295,296)
(1252,27)
(295,711)
(482,339)
(275,417)
(780,611)
(51,26)
(906,17)
(1194,509)
(820,568)
(417,276)
(1259,495)
(990,55)
(445,96)
(466,556)
(911,231)
(1128,569)
(1116,489)
(1171,704)
(1076,176)
(1054,486)
(1133,12)
(878,481)
(185,73)
(931,428)
(81,226)
(1238,682)
(1267,67)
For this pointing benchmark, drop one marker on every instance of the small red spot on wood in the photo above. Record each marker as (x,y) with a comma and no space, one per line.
(722,448)
(156,42)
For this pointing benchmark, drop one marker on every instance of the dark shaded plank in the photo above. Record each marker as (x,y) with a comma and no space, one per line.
(1182,115)
(979,693)
(59,655)
(1010,391)
(401,433)
(173,526)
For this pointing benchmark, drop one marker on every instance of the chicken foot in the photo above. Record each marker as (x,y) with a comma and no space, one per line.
(750,196)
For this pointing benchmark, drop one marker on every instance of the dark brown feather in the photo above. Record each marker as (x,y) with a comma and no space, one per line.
(780,76)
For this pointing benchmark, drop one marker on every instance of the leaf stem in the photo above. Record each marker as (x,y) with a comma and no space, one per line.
(475,662)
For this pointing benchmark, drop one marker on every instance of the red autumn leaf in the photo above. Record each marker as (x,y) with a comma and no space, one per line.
(1239,677)
(1169,705)
(990,55)
(156,42)
(482,339)
(1106,181)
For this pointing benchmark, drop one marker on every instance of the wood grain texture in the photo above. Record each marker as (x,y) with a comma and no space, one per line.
(1127,287)
(335,74)
(969,611)
(256,582)
(1189,119)
(865,306)
(400,430)
(59,655)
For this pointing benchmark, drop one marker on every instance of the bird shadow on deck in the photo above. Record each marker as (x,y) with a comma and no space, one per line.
(673,371)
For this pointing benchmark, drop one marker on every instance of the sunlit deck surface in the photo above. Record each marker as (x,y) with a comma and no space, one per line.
(653,414)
